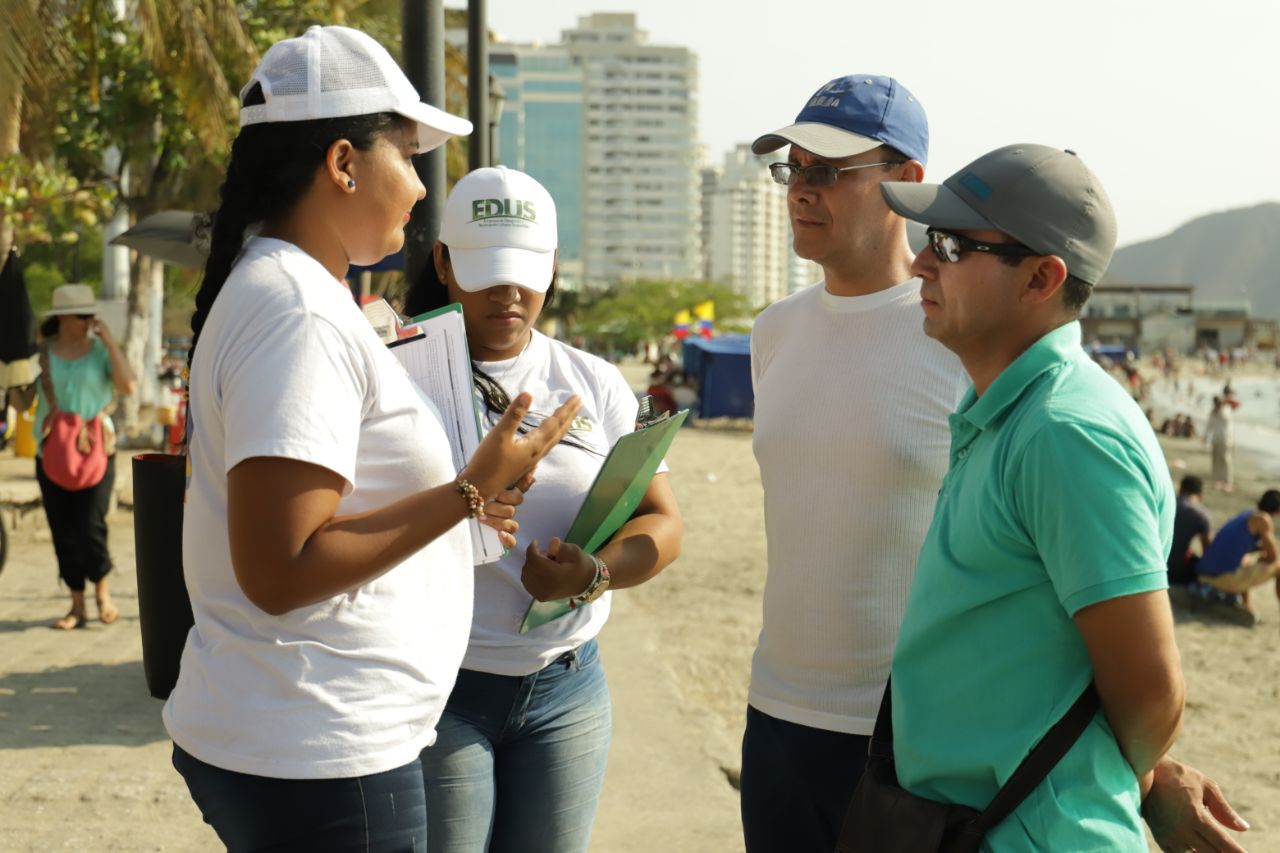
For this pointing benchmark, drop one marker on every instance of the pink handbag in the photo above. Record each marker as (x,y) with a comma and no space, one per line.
(72,453)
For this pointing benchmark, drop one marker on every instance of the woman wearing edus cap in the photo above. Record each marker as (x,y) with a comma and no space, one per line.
(520,757)
(329,569)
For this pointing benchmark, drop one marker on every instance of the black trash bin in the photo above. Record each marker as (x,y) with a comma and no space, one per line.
(164,608)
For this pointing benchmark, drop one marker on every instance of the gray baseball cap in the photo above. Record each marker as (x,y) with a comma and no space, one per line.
(1045,198)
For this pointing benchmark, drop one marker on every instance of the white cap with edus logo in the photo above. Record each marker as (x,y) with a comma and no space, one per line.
(500,227)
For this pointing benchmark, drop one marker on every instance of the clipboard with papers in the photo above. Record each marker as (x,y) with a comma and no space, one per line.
(439,363)
(619,487)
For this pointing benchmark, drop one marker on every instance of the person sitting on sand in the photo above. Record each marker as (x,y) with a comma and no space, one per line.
(660,390)
(1244,553)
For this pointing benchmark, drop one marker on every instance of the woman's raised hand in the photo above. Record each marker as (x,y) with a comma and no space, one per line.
(505,456)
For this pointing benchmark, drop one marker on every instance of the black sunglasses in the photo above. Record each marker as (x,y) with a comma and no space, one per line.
(85,316)
(948,247)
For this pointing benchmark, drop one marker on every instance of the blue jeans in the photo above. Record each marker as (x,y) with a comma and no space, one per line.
(518,762)
(796,784)
(382,812)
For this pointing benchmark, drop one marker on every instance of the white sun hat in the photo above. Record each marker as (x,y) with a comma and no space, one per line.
(73,299)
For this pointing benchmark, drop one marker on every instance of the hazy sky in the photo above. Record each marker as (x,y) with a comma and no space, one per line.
(1175,104)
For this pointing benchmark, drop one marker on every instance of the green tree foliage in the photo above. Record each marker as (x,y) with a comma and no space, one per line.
(151,89)
(629,313)
(46,203)
(159,89)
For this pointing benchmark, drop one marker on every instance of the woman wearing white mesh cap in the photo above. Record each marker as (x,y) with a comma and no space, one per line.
(329,570)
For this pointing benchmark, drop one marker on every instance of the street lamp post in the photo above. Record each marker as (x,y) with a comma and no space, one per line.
(497,98)
(422,31)
(478,83)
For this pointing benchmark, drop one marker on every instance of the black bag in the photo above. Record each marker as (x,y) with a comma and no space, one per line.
(164,608)
(884,818)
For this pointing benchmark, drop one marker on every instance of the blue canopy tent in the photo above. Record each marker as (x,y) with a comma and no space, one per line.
(722,367)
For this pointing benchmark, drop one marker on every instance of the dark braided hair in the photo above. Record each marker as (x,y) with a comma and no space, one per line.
(428,293)
(272,166)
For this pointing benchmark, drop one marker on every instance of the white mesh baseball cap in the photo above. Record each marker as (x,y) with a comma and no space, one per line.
(500,227)
(335,72)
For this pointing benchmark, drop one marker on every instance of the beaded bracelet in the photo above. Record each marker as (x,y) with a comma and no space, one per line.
(475,503)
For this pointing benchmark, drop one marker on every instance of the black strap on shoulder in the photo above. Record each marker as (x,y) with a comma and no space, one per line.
(1030,773)
(46,378)
(1043,758)
(881,745)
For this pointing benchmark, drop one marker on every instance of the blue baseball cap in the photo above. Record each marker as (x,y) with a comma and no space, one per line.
(853,114)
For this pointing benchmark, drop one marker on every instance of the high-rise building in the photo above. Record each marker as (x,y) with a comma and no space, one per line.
(746,233)
(749,235)
(541,133)
(640,211)
(608,123)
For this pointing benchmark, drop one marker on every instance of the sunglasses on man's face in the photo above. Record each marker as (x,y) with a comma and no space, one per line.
(85,317)
(948,247)
(819,174)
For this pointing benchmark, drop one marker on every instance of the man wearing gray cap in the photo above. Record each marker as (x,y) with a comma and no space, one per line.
(1044,566)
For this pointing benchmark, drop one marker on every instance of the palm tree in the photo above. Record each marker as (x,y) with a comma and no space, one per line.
(186,41)
(198,52)
(51,47)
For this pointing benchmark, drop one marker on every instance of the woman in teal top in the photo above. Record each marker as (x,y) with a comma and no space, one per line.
(86,369)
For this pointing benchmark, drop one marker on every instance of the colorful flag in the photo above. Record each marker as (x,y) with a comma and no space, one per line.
(706,314)
(682,321)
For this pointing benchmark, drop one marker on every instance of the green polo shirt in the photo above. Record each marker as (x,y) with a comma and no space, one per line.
(1057,497)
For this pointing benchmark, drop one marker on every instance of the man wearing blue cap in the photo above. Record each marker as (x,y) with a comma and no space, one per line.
(851,435)
(851,438)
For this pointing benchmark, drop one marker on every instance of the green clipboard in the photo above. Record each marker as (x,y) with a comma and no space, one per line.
(612,500)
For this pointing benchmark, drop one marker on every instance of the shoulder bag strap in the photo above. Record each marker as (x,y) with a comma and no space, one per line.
(46,378)
(1030,773)
(1043,758)
(881,744)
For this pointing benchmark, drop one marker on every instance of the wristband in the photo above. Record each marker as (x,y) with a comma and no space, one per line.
(596,588)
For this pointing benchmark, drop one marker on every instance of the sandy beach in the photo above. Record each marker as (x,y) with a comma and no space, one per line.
(84,760)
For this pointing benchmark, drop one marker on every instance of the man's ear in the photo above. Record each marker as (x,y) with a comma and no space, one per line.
(1047,276)
(911,171)
(339,163)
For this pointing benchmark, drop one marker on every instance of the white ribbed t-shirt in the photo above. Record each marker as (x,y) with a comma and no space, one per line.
(851,435)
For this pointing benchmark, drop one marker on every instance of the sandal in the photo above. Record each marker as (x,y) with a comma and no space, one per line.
(108,614)
(70,622)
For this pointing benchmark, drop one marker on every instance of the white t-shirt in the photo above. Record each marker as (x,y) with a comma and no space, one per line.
(288,367)
(552,372)
(851,435)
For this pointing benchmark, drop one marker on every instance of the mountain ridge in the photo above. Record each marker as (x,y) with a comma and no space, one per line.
(1228,257)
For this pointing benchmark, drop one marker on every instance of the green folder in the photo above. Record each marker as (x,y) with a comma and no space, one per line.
(612,500)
